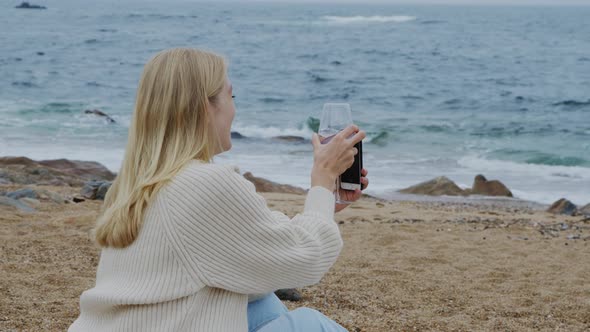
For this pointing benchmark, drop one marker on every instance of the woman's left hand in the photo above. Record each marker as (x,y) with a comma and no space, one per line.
(353,196)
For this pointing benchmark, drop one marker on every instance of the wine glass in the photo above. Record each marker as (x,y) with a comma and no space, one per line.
(335,118)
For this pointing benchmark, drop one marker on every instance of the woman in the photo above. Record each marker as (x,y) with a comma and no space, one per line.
(185,242)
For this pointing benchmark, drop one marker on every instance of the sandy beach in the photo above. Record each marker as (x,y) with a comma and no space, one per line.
(405,266)
(477,147)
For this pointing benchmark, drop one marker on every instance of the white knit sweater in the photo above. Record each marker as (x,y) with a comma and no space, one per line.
(207,241)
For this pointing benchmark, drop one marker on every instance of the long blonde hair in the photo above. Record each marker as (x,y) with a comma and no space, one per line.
(170,127)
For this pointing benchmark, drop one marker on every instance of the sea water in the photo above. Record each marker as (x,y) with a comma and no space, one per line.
(441,90)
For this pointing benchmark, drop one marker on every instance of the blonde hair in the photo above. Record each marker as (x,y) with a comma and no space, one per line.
(170,127)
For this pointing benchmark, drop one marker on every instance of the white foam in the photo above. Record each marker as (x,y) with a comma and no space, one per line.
(513,168)
(368,19)
(539,183)
(270,131)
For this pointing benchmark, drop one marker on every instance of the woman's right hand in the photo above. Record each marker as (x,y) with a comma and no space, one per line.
(333,158)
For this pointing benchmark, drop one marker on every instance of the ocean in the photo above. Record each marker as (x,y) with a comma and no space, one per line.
(441,90)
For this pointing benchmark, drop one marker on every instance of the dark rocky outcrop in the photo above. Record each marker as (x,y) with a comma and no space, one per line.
(481,186)
(101,193)
(89,170)
(26,5)
(35,194)
(24,161)
(21,170)
(435,187)
(95,189)
(59,172)
(562,206)
(102,114)
(263,185)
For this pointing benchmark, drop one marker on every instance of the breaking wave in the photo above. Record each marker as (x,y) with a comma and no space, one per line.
(367,19)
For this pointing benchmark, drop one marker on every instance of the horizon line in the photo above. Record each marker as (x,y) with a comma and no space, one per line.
(414,3)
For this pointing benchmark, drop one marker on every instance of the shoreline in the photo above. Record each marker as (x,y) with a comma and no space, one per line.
(393,195)
(291,164)
(475,200)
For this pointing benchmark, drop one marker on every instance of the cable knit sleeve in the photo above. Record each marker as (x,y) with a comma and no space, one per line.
(280,216)
(229,239)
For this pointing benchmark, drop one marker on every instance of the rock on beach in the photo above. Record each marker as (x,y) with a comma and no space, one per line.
(435,187)
(563,206)
(444,186)
(58,172)
(481,186)
(95,189)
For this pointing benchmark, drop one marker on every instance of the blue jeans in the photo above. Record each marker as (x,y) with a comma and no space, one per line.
(269,314)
